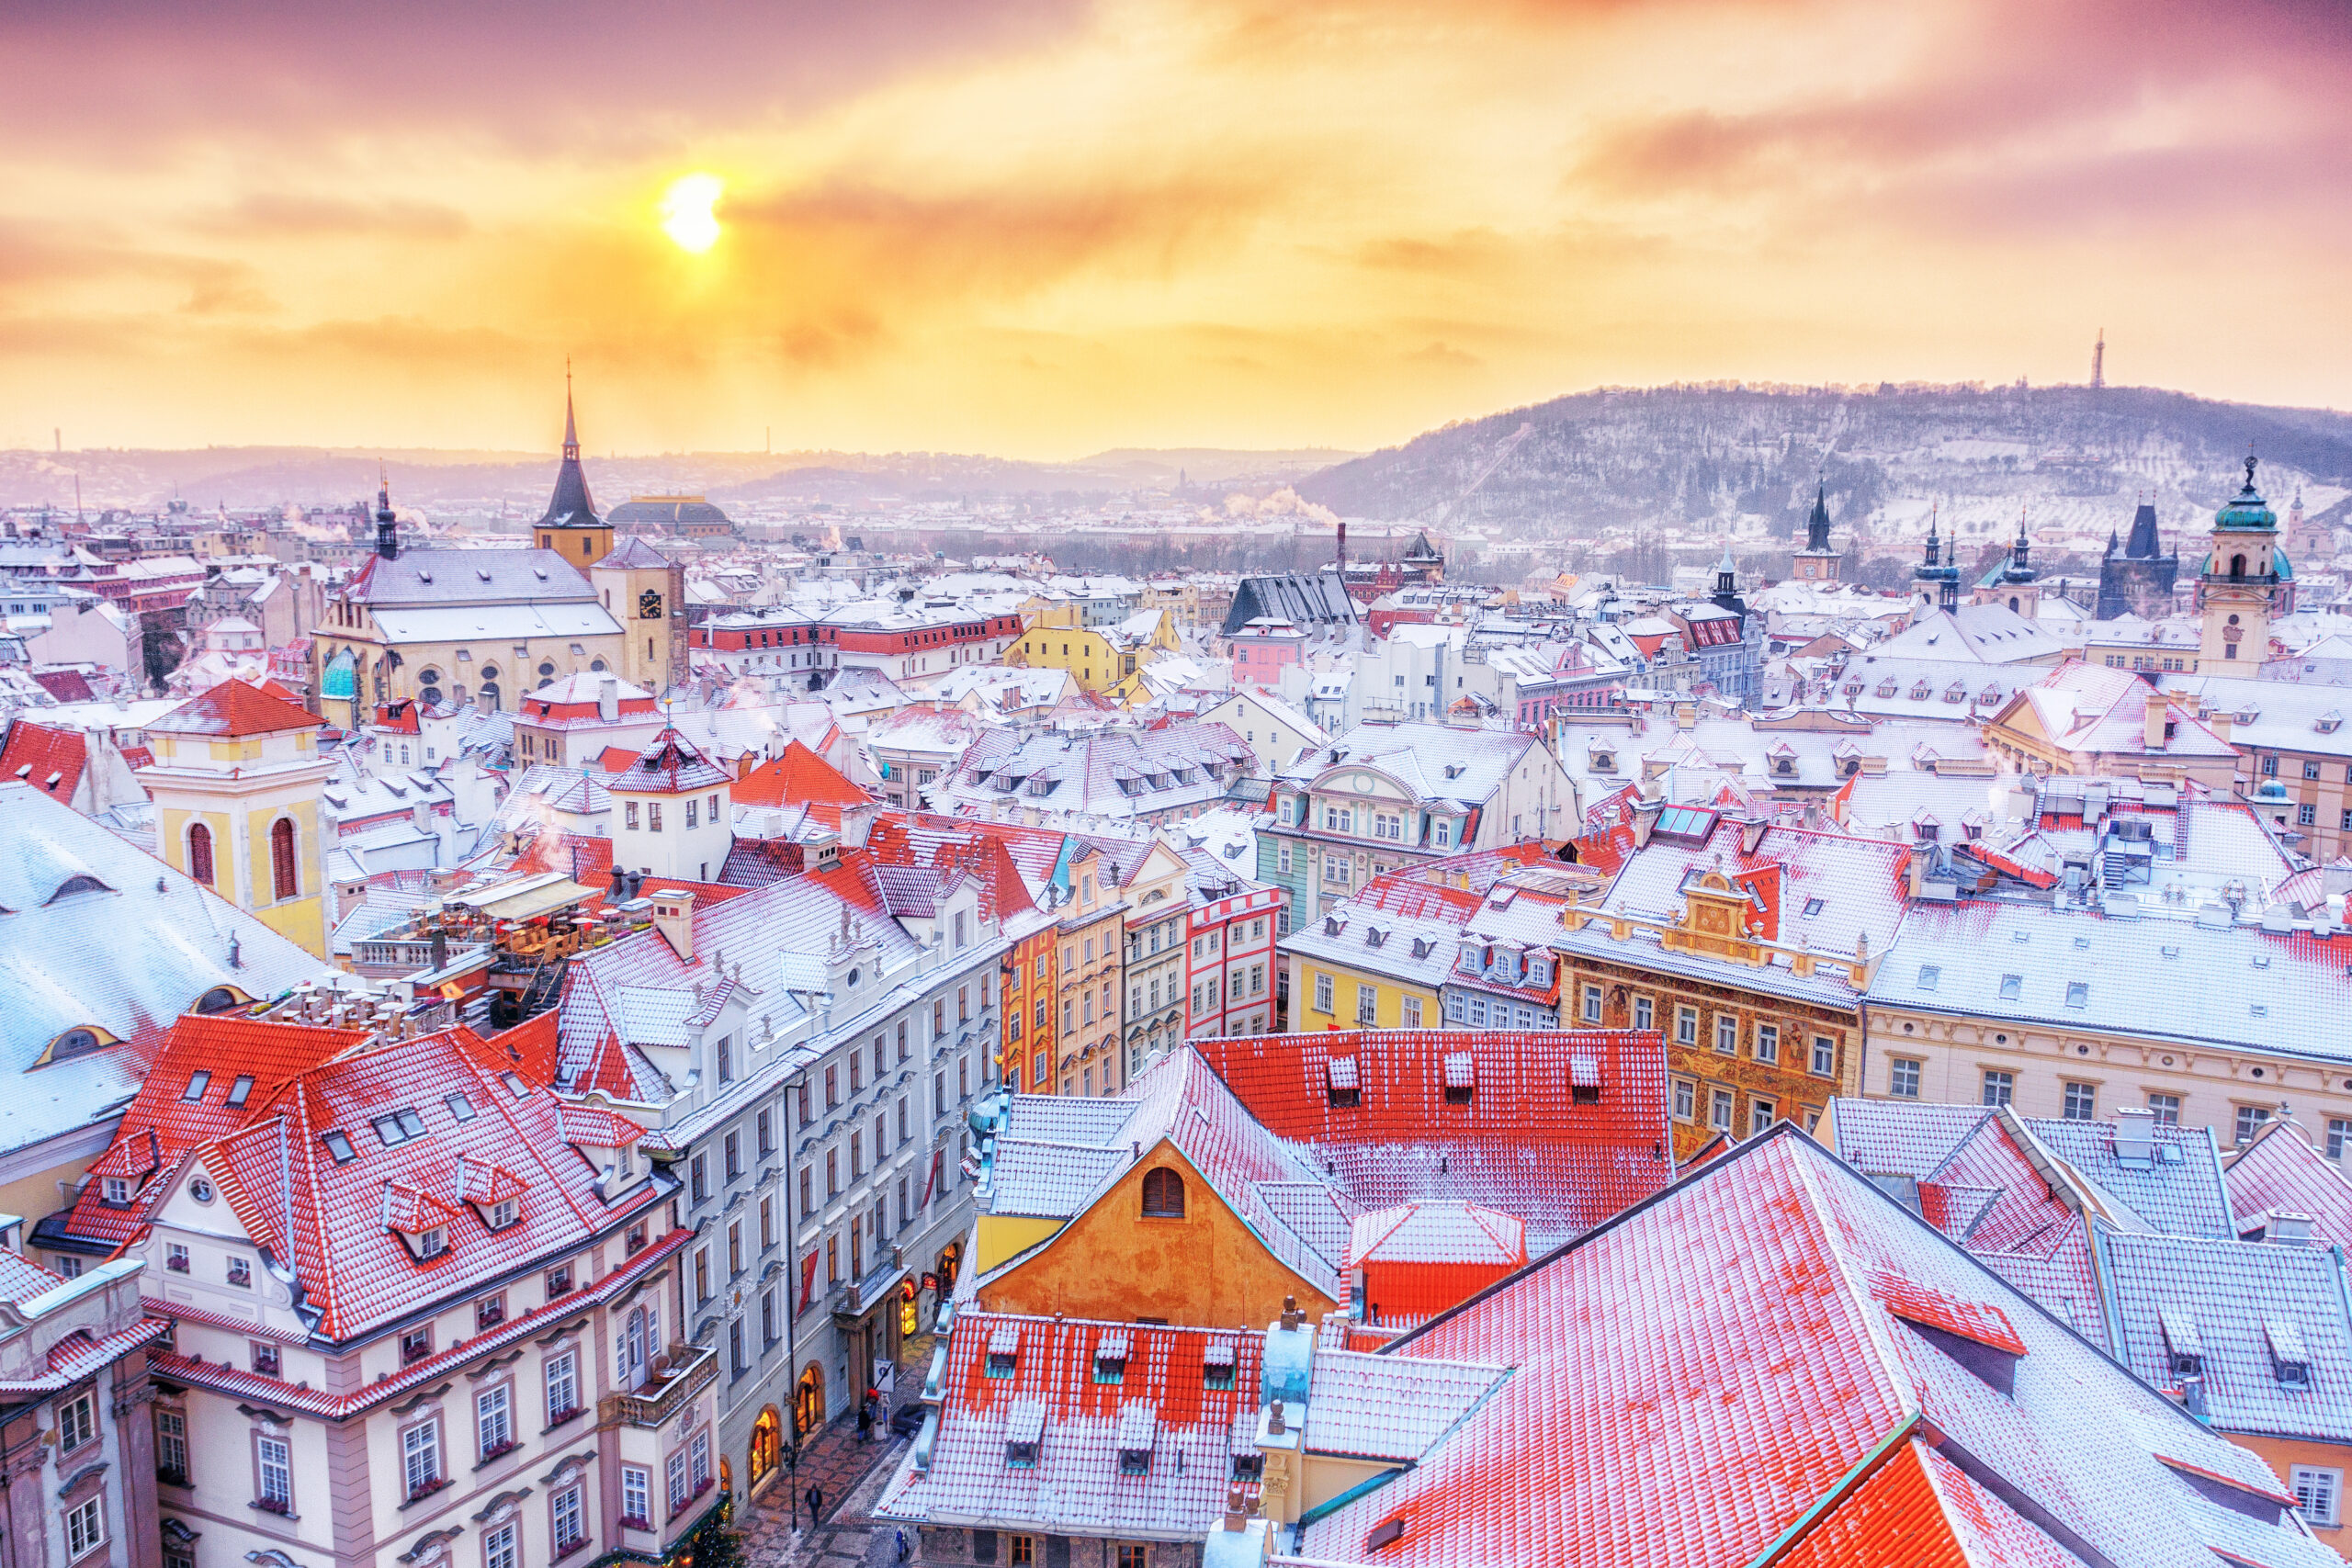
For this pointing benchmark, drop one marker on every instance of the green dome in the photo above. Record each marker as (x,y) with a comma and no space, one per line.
(341,677)
(2246,509)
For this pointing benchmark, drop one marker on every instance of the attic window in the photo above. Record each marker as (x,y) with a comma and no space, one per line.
(397,1127)
(1374,936)
(1249,1466)
(1977,1335)
(1461,1078)
(1216,1365)
(1138,1426)
(339,1146)
(239,1090)
(2290,1361)
(1110,1359)
(1812,907)
(515,1086)
(2078,993)
(1331,924)
(1341,1083)
(460,1108)
(2185,1347)
(1024,1434)
(1387,1532)
(1584,1080)
(1004,1351)
(1421,946)
(2011,985)
(1929,973)
(197,1082)
(432,1243)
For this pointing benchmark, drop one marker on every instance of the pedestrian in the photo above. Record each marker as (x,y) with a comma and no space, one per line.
(816,1501)
(865,1421)
(903,1543)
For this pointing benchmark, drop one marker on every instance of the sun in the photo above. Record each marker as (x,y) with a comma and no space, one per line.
(686,211)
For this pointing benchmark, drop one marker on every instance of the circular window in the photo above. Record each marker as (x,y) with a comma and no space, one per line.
(200,1189)
(489,672)
(547,669)
(597,665)
(853,976)
(2082,1050)
(2257,1072)
(2168,1063)
(1907,1029)
(2000,1039)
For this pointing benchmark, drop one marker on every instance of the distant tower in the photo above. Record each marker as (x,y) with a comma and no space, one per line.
(2013,582)
(1817,562)
(1937,584)
(571,526)
(2099,360)
(2239,591)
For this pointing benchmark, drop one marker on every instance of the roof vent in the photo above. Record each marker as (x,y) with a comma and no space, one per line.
(1977,1335)
(1387,1532)
(2135,1137)
(2286,1228)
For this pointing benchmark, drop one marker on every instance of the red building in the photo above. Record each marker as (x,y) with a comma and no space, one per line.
(1229,963)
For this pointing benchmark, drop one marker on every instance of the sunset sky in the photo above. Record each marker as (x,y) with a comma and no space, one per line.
(1044,228)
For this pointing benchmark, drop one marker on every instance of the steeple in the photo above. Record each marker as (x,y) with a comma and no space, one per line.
(570,526)
(1817,527)
(2019,568)
(388,538)
(1727,577)
(1935,551)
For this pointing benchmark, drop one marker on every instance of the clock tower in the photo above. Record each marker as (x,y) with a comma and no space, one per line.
(2246,581)
(646,593)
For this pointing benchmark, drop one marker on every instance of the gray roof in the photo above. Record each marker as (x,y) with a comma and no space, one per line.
(97,934)
(2160,978)
(424,579)
(1311,600)
(1418,756)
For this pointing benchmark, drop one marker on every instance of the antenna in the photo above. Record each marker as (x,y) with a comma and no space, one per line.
(2098,361)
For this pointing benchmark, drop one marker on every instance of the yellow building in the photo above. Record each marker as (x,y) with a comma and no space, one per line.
(1360,966)
(1106,661)
(236,781)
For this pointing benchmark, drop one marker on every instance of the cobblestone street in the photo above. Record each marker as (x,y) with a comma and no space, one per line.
(851,1472)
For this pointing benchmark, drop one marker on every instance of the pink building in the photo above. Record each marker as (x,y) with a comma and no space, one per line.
(1263,648)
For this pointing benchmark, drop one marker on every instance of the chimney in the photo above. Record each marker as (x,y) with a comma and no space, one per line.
(2286,1228)
(615,895)
(481,704)
(608,699)
(2135,1136)
(673,917)
(2153,728)
(856,822)
(1645,816)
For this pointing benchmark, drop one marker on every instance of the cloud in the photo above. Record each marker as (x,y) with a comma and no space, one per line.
(281,215)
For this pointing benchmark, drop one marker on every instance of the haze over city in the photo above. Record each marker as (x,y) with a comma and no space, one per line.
(1043,228)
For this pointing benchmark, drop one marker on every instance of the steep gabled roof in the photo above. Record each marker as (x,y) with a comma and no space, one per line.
(234,708)
(798,777)
(49,761)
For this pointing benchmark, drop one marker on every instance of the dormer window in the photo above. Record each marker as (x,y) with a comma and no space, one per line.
(2290,1361)
(2184,1347)
(501,1213)
(1461,1078)
(1216,1366)
(1340,1084)
(1584,1080)
(1138,1426)
(117,1189)
(1025,1433)
(1110,1359)
(432,1243)
(1004,1351)
(1250,1466)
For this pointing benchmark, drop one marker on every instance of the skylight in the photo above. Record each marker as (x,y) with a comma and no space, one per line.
(2078,993)
(459,1107)
(339,1146)
(2010,986)
(1812,906)
(1930,975)
(239,1090)
(198,1083)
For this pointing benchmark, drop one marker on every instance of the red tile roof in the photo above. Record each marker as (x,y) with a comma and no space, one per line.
(234,708)
(162,1123)
(1521,1142)
(65,686)
(331,1220)
(51,761)
(798,777)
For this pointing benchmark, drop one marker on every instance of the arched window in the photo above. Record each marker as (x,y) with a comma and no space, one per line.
(285,884)
(428,686)
(219,998)
(2237,566)
(199,853)
(1163,1195)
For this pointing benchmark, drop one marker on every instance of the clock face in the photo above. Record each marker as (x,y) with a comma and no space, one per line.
(649,604)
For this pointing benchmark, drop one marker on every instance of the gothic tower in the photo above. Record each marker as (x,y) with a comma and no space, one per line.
(570,527)
(1817,563)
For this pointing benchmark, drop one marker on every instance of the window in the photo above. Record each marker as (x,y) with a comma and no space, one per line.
(199,853)
(2081,1102)
(1902,1075)
(2311,769)
(274,1473)
(1134,1557)
(417,1344)
(490,1312)
(1163,1195)
(264,1358)
(284,882)
(677,1469)
(1686,1026)
(734,1146)
(636,1496)
(702,1275)
(1999,1087)
(2167,1107)
(77,1423)
(1409,1014)
(86,1528)
(1592,1004)
(2318,1494)
(2250,1120)
(1726,1033)
(421,1457)
(494,1420)
(563,1387)
(1686,1100)
(1760,1117)
(1022,1552)
(1825,1057)
(629,817)
(1322,993)
(1367,1005)
(1644,1012)
(1767,1041)
(2338,1131)
(698,1176)
(175,1257)
(567,1519)
(1719,1110)
(241,1273)
(499,1549)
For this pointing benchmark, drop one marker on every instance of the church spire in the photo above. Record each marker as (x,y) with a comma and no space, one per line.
(570,505)
(571,427)
(1817,527)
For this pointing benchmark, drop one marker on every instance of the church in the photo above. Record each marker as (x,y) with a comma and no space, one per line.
(2136,577)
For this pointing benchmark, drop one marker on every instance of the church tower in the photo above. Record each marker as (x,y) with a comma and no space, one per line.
(2240,589)
(645,590)
(571,527)
(1935,586)
(1817,563)
(236,782)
